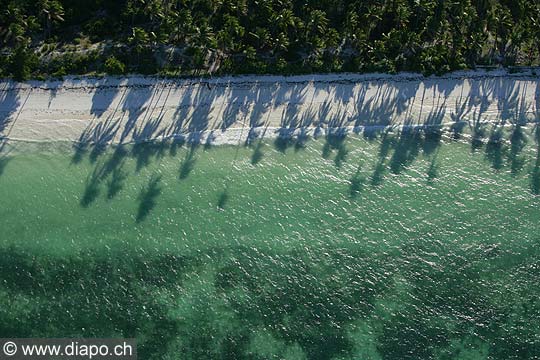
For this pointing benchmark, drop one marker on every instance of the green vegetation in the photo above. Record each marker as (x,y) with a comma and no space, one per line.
(114,66)
(254,36)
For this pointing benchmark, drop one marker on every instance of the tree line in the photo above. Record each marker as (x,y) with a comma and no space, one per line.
(51,38)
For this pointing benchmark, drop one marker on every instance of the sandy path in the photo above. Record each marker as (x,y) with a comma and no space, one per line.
(136,109)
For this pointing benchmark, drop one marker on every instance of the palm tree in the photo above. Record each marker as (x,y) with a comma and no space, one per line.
(317,24)
(285,21)
(139,39)
(13,25)
(53,12)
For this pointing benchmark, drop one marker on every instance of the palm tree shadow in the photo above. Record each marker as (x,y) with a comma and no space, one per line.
(102,136)
(210,139)
(495,149)
(518,141)
(3,163)
(433,171)
(387,142)
(114,161)
(81,146)
(91,190)
(356,184)
(335,140)
(258,154)
(147,198)
(461,110)
(103,97)
(407,148)
(378,174)
(4,160)
(477,140)
(116,182)
(535,177)
(301,140)
(478,129)
(188,163)
(284,140)
(223,198)
(176,143)
(432,140)
(535,173)
(341,155)
(146,152)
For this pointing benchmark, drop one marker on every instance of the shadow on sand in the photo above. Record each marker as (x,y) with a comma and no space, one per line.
(135,114)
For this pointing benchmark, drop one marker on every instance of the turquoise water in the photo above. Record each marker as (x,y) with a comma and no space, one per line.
(398,246)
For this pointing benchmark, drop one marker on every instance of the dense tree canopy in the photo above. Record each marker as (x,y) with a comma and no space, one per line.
(56,37)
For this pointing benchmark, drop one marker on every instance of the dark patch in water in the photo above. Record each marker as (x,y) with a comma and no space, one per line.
(91,189)
(518,141)
(223,198)
(433,170)
(258,154)
(357,183)
(147,198)
(187,164)
(3,163)
(116,182)
(406,149)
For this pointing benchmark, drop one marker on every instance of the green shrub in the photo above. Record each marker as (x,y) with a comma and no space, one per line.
(22,63)
(114,66)
(59,73)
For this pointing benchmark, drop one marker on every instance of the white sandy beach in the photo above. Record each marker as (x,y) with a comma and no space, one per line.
(114,110)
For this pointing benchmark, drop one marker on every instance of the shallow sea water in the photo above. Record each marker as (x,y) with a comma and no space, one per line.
(401,246)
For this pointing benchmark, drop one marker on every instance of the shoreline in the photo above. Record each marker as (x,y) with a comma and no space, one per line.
(109,81)
(240,136)
(236,108)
